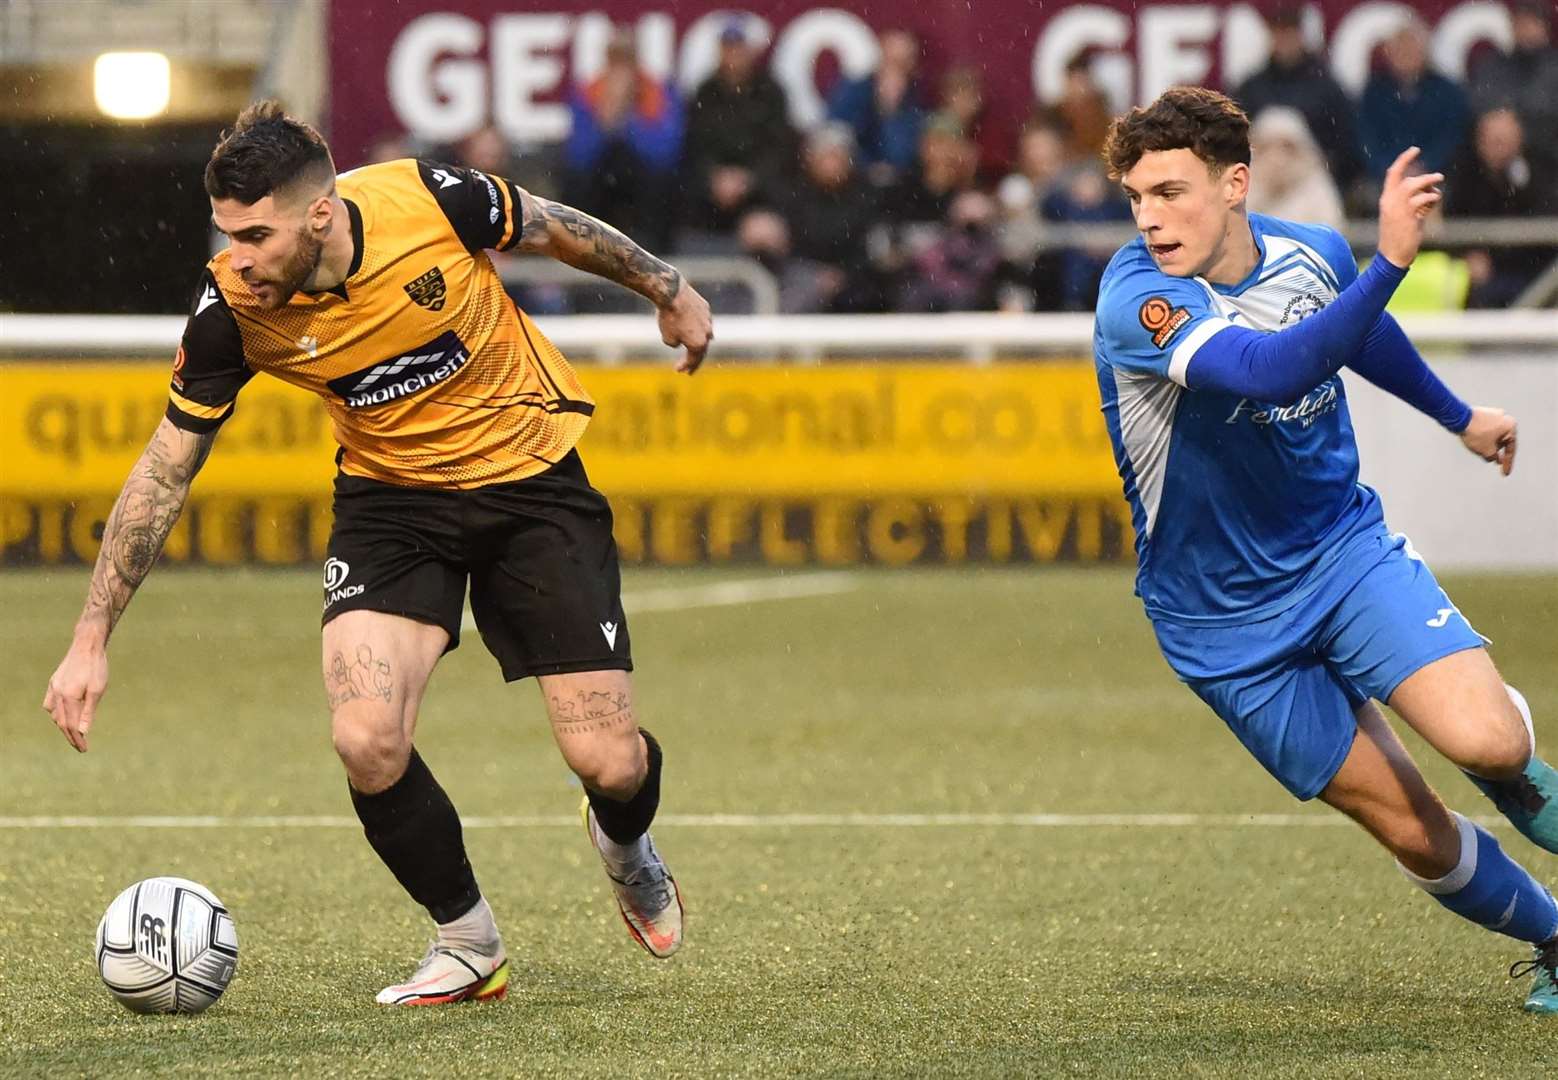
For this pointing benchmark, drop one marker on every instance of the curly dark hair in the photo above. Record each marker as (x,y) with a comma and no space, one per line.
(1194,118)
(264,151)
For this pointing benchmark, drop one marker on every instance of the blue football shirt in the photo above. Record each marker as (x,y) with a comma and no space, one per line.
(1241,508)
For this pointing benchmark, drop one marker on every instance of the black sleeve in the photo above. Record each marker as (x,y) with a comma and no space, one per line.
(209,369)
(484,211)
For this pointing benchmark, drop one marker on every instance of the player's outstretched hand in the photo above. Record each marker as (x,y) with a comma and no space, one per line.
(75,688)
(1491,436)
(1404,205)
(688,323)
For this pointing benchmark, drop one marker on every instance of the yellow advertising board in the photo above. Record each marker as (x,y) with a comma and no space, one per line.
(76,428)
(784,464)
(856,429)
(853,430)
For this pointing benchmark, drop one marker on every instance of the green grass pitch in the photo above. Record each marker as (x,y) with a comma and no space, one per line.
(1207,949)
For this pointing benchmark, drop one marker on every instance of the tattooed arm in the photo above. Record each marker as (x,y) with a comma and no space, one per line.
(149,503)
(574,237)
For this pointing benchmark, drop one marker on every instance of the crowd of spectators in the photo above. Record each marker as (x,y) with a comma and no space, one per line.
(910,196)
(1319,153)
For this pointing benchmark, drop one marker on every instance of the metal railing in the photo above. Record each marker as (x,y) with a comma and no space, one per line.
(1449,234)
(703,270)
(1362,234)
(976,337)
(1543,292)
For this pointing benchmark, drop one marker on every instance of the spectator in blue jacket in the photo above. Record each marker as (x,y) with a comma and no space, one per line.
(625,144)
(1083,196)
(1405,104)
(886,109)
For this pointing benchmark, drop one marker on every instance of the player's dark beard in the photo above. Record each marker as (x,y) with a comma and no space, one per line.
(300,267)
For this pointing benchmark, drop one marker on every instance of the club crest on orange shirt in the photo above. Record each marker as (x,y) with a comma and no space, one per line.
(429,290)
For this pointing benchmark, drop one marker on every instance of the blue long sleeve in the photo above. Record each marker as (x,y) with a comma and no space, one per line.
(1284,365)
(1391,362)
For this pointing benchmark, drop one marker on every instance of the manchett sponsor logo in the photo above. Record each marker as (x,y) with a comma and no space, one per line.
(405,375)
(1305,411)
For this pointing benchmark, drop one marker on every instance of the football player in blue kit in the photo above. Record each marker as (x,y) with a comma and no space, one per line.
(1275,588)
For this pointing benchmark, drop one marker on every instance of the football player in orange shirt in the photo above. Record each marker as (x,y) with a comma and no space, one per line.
(457,421)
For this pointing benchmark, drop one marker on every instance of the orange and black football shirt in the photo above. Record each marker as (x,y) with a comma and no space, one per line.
(432,377)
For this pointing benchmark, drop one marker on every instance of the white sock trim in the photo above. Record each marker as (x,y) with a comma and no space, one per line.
(474,929)
(1523,707)
(1465,869)
(622,859)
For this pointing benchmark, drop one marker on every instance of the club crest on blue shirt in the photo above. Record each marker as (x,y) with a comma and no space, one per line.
(1161,319)
(1300,308)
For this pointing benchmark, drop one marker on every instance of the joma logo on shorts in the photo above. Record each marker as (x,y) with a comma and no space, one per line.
(404,375)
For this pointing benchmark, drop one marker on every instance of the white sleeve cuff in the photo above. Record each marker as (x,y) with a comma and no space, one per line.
(1179,360)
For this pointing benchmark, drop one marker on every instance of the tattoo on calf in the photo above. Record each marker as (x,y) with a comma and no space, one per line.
(591,710)
(366,678)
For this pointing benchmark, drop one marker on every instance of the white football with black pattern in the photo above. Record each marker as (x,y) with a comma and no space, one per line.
(167,945)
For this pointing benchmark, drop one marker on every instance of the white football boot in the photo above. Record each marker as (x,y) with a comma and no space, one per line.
(451,973)
(647,896)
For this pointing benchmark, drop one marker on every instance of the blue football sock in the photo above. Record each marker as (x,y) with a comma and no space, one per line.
(1492,890)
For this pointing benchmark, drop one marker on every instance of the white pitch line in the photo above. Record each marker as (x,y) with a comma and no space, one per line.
(744,591)
(726,593)
(727,821)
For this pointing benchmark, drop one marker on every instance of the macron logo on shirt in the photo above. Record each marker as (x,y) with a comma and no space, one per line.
(207,298)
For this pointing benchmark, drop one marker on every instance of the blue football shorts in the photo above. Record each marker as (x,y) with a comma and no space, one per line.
(1289,687)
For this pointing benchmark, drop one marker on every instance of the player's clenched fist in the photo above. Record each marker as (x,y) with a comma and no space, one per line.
(1404,204)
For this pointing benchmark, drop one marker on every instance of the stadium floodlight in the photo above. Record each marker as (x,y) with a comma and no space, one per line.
(131,85)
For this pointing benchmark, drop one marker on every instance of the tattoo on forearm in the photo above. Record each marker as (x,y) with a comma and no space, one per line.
(580,240)
(144,515)
(588,711)
(365,678)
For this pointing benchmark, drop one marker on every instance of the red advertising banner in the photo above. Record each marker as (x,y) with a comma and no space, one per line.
(442,69)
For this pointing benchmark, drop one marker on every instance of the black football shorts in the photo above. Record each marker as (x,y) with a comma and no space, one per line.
(546,589)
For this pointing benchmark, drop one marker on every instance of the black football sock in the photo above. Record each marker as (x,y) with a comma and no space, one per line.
(625,822)
(415,830)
